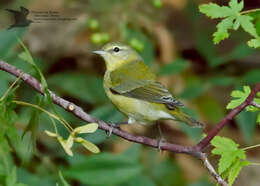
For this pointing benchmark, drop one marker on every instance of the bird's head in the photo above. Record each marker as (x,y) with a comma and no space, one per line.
(117,54)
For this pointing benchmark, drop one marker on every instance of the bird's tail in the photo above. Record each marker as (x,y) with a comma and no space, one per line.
(182,117)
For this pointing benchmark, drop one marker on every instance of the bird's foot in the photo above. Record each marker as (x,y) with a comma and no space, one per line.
(160,141)
(112,126)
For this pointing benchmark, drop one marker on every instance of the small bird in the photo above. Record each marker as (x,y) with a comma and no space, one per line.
(134,90)
(20,17)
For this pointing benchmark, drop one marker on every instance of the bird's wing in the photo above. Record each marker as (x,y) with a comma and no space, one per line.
(131,76)
(141,84)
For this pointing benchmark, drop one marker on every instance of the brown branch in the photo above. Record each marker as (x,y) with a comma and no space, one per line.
(212,170)
(196,151)
(78,111)
(253,103)
(249,101)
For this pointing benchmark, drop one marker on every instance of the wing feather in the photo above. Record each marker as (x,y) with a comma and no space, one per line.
(141,84)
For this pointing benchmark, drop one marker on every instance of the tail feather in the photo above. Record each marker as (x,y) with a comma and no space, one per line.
(181,116)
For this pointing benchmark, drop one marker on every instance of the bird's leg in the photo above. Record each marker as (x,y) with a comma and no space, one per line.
(115,125)
(161,136)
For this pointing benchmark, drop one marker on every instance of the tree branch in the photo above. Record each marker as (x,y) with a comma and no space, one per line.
(249,101)
(196,151)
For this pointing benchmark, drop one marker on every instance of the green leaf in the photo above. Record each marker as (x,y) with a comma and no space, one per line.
(174,67)
(82,86)
(222,29)
(246,23)
(235,6)
(231,157)
(26,56)
(225,144)
(240,97)
(236,168)
(9,41)
(254,43)
(105,168)
(213,10)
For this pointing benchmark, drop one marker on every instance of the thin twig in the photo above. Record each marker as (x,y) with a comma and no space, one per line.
(251,147)
(212,171)
(253,103)
(250,11)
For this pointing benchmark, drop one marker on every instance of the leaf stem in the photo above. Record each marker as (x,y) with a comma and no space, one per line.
(251,147)
(45,111)
(253,163)
(250,11)
(9,89)
(253,103)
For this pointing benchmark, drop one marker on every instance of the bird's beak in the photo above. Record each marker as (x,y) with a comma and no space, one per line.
(99,52)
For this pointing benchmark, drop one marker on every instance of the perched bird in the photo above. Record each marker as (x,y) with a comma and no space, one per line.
(134,90)
(20,17)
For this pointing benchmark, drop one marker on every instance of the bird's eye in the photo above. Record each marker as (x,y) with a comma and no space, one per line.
(116,49)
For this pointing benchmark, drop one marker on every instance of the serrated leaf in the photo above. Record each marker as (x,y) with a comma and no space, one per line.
(235,6)
(246,23)
(240,97)
(232,158)
(234,103)
(252,108)
(247,89)
(237,94)
(222,29)
(254,43)
(224,143)
(234,171)
(213,10)
(236,24)
(226,160)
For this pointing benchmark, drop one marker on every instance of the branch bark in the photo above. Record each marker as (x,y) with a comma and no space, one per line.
(195,151)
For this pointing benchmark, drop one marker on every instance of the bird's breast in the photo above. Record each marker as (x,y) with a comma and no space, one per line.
(138,109)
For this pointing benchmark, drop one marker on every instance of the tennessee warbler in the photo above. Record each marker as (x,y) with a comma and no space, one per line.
(133,88)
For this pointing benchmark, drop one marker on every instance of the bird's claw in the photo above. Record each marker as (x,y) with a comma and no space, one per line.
(110,130)
(160,141)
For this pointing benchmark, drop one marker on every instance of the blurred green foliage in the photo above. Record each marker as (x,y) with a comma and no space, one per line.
(194,69)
